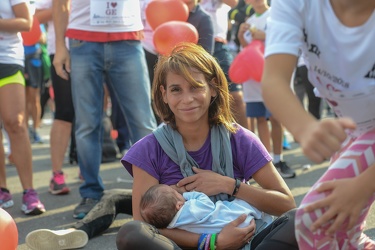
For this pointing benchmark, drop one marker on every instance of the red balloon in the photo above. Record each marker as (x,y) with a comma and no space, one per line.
(169,34)
(161,11)
(248,64)
(32,37)
(8,231)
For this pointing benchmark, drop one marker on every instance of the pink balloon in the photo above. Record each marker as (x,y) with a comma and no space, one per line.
(248,64)
(162,11)
(169,34)
(8,231)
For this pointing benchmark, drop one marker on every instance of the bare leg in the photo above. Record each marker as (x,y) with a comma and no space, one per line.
(12,112)
(264,132)
(59,140)
(3,179)
(277,136)
(33,102)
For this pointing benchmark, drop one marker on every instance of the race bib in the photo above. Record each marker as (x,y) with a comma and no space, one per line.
(118,12)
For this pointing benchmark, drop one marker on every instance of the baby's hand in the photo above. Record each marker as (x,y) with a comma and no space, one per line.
(321,139)
(179,189)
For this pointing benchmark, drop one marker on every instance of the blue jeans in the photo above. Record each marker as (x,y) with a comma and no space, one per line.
(122,66)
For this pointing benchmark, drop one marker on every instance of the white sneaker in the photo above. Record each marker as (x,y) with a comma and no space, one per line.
(44,239)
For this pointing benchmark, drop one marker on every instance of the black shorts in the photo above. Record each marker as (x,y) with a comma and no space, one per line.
(9,70)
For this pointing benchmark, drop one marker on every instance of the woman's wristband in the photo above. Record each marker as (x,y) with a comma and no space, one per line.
(207,245)
(202,241)
(237,185)
(213,241)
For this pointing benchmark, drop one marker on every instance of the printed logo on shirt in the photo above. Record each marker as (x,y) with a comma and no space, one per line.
(312,47)
(327,76)
(371,73)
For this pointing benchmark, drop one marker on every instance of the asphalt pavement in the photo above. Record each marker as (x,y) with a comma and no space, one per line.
(60,208)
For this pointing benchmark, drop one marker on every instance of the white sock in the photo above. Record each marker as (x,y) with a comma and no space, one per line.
(277,158)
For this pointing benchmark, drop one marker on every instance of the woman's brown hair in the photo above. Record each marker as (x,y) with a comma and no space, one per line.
(184,58)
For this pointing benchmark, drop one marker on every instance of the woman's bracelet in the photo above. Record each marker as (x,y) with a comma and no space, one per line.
(207,245)
(202,241)
(237,185)
(213,241)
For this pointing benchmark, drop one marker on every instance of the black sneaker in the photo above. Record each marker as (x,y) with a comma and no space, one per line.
(84,208)
(284,170)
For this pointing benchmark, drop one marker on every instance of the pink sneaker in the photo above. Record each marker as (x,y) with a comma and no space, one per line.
(5,199)
(31,204)
(57,184)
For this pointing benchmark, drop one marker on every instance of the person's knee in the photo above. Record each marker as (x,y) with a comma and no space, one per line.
(126,234)
(15,125)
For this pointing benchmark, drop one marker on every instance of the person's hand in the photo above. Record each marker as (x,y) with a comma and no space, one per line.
(179,189)
(234,237)
(243,28)
(321,139)
(343,205)
(205,181)
(61,61)
(258,34)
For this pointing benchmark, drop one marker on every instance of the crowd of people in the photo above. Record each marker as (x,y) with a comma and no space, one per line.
(190,137)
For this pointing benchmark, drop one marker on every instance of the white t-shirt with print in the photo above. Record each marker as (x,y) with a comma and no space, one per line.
(11,48)
(118,16)
(340,59)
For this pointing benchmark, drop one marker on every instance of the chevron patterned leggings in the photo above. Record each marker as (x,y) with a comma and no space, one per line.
(354,158)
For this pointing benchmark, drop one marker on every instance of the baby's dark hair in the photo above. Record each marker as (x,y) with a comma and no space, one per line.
(158,206)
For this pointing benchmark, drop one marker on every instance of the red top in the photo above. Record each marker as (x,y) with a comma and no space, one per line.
(92,36)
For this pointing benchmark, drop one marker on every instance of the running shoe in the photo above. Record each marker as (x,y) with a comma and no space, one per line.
(57,184)
(84,208)
(31,204)
(5,198)
(284,170)
(37,138)
(44,239)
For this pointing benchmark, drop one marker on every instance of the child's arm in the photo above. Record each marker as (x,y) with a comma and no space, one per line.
(21,22)
(43,15)
(318,139)
(258,34)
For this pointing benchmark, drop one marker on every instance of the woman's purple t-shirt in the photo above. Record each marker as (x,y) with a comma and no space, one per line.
(249,155)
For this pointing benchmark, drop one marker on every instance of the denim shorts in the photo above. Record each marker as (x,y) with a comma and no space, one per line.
(257,109)
(33,71)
